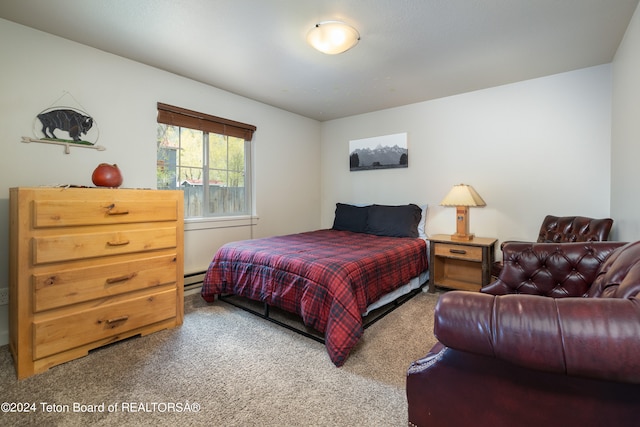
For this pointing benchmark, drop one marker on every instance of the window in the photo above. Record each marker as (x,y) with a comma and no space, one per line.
(207,157)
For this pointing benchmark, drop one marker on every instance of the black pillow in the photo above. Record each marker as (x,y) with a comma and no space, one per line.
(350,218)
(394,221)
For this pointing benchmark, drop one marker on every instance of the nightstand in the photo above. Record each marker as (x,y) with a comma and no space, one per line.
(464,265)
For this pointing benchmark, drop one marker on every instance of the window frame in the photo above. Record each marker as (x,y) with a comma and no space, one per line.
(207,124)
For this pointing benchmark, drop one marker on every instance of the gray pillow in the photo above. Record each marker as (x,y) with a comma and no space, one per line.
(394,221)
(350,218)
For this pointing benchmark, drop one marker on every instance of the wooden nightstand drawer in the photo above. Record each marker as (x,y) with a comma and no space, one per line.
(57,334)
(62,287)
(470,253)
(464,265)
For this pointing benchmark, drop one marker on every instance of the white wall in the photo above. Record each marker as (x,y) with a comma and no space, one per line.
(625,175)
(121,96)
(531,148)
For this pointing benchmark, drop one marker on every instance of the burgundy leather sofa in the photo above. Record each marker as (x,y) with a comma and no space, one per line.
(555,341)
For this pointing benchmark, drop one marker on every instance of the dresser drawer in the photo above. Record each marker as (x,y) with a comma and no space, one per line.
(69,247)
(64,213)
(60,287)
(470,253)
(57,334)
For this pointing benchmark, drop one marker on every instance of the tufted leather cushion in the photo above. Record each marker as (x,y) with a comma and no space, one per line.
(564,229)
(550,269)
(619,275)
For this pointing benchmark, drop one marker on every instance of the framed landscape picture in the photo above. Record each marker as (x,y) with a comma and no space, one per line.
(380,152)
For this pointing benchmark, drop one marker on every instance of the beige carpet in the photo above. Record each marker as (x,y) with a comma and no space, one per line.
(226,367)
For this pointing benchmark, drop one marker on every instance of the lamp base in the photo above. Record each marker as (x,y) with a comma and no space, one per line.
(462,237)
(462,225)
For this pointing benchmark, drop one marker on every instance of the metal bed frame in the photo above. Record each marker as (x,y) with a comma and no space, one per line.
(369,320)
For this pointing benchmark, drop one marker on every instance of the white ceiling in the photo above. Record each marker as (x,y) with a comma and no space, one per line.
(410,50)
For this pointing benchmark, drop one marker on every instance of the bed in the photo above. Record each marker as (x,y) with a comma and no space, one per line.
(330,278)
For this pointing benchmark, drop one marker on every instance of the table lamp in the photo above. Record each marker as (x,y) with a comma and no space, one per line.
(462,196)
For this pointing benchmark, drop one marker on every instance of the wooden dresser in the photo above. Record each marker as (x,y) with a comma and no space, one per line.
(90,266)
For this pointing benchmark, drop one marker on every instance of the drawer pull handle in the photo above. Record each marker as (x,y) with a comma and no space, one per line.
(110,210)
(458,251)
(118,243)
(124,278)
(117,320)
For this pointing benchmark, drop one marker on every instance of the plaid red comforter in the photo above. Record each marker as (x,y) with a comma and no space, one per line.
(327,277)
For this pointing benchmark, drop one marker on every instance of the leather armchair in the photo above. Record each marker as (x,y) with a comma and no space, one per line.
(554,341)
(567,229)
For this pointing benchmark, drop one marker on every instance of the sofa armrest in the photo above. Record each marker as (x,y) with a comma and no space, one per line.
(551,269)
(588,337)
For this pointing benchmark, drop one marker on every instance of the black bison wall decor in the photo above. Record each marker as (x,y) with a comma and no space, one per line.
(67,120)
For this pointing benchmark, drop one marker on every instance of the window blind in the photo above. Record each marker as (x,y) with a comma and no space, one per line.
(177,116)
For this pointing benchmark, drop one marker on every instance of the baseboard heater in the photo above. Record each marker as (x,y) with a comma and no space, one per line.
(193,280)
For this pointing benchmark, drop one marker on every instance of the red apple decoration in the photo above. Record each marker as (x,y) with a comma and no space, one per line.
(106,175)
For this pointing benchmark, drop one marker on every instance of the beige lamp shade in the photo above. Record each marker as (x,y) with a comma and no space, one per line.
(462,196)
(333,37)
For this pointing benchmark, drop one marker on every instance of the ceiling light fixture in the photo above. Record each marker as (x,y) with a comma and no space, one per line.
(333,37)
